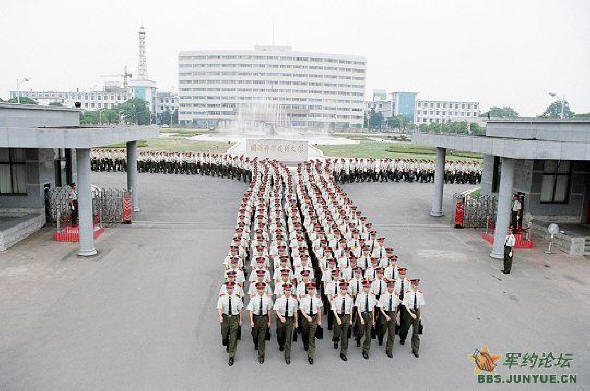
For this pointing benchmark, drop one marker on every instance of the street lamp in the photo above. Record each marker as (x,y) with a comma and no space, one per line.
(19,82)
(553,95)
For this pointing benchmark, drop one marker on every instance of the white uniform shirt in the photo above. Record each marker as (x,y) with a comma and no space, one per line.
(361,301)
(223,304)
(281,306)
(310,301)
(389,301)
(412,298)
(348,304)
(254,305)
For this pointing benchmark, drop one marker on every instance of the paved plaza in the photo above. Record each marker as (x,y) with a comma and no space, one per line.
(141,315)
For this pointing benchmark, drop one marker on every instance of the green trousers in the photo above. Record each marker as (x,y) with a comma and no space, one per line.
(415,336)
(229,333)
(285,334)
(404,323)
(366,331)
(308,334)
(390,330)
(259,333)
(507,259)
(341,333)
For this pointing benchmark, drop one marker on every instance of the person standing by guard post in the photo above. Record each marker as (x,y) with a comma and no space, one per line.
(286,308)
(414,301)
(509,243)
(260,306)
(229,310)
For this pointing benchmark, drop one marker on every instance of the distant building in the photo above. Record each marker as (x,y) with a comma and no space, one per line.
(444,111)
(106,98)
(308,89)
(166,101)
(385,107)
(404,104)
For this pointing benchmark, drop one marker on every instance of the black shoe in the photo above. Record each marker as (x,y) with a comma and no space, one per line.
(365,355)
(305,348)
(255,347)
(310,360)
(389,355)
(231,362)
(288,361)
(336,345)
(401,341)
(380,341)
(343,357)
(358,343)
(261,360)
(281,348)
(416,354)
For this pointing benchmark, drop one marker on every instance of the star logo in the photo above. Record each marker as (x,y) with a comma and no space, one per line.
(484,360)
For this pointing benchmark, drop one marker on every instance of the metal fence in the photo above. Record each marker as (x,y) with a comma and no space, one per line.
(479,212)
(107,205)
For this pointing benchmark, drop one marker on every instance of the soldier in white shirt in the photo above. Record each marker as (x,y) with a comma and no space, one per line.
(286,307)
(509,243)
(365,307)
(311,310)
(413,303)
(260,307)
(229,311)
(388,304)
(342,307)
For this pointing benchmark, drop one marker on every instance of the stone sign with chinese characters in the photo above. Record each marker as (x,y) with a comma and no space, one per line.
(276,148)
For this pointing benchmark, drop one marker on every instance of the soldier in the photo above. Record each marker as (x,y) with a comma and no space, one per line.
(365,306)
(311,310)
(342,306)
(260,306)
(229,310)
(413,303)
(404,318)
(388,304)
(286,308)
(509,243)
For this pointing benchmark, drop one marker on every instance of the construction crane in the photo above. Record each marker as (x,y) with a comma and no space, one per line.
(125,75)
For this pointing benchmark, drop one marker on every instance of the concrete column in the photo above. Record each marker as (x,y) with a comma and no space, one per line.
(504,206)
(439,181)
(84,203)
(132,173)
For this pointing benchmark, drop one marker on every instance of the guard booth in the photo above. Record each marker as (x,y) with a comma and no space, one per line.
(41,147)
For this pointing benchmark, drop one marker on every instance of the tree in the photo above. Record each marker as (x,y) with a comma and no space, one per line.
(23,100)
(375,119)
(135,111)
(175,117)
(164,118)
(58,104)
(554,110)
(500,112)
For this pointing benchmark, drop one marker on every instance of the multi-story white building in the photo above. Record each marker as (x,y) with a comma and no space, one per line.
(445,111)
(106,98)
(385,107)
(166,101)
(309,89)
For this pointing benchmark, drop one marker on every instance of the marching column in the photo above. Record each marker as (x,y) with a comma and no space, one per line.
(132,173)
(84,203)
(504,207)
(439,181)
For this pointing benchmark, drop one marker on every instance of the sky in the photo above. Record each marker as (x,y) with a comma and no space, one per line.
(500,53)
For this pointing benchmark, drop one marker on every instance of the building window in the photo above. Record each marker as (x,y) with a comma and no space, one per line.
(556,182)
(13,172)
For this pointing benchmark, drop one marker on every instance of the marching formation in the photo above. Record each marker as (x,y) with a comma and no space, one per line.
(189,163)
(303,255)
(347,170)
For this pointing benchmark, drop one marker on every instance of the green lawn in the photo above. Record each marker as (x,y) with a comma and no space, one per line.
(379,150)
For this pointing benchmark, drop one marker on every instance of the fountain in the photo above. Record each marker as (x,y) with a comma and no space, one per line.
(264,129)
